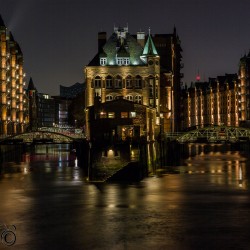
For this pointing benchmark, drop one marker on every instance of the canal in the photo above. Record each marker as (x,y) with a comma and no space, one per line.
(200,200)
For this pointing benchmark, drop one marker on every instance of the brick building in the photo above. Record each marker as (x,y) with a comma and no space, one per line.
(13,100)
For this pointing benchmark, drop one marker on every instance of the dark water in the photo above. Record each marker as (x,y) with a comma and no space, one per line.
(204,204)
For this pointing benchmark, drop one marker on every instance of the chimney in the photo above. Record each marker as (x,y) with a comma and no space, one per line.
(141,38)
(102,38)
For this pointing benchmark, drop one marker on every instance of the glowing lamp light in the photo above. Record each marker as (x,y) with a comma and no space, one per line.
(198,78)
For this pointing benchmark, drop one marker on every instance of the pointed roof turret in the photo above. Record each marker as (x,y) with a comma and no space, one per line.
(149,48)
(2,22)
(31,85)
(11,36)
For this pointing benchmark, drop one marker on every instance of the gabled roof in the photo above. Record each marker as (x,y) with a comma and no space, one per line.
(149,48)
(122,52)
(127,47)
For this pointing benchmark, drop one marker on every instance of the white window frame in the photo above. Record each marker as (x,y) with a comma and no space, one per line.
(129,98)
(138,99)
(103,61)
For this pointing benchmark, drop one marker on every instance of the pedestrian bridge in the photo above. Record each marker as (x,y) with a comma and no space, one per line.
(43,136)
(213,134)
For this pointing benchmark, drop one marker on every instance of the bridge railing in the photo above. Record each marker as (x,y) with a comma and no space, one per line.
(216,134)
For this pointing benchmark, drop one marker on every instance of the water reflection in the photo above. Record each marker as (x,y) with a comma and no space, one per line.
(221,163)
(53,206)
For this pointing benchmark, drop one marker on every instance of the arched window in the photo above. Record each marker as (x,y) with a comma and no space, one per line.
(118,82)
(138,82)
(109,82)
(138,99)
(109,98)
(129,97)
(97,82)
(129,83)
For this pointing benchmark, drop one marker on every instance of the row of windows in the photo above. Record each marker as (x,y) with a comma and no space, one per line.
(137,98)
(122,114)
(119,61)
(117,82)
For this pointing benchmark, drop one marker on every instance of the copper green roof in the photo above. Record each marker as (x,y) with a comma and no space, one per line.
(149,48)
(114,48)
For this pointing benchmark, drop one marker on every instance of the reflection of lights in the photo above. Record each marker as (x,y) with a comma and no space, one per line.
(110,153)
(76,162)
(25,170)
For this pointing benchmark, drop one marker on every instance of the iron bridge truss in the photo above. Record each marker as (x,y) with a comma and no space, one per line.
(215,134)
(43,137)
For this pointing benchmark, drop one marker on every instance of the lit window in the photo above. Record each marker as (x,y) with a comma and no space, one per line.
(103,115)
(138,99)
(132,114)
(124,114)
(111,114)
(129,97)
(109,98)
(103,61)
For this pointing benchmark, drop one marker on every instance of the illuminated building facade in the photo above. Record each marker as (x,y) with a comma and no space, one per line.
(126,67)
(13,101)
(244,90)
(215,102)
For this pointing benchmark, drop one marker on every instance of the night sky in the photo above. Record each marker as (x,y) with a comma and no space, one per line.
(59,37)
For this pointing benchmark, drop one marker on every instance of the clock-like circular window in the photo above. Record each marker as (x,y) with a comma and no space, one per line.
(150,62)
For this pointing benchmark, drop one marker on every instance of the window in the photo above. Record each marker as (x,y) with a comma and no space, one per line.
(138,82)
(119,61)
(109,98)
(128,81)
(126,61)
(129,97)
(122,61)
(103,115)
(111,114)
(132,114)
(151,94)
(124,114)
(103,61)
(118,82)
(151,88)
(109,82)
(138,99)
(97,82)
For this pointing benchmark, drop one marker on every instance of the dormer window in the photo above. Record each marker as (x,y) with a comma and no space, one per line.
(126,61)
(119,61)
(122,61)
(103,61)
